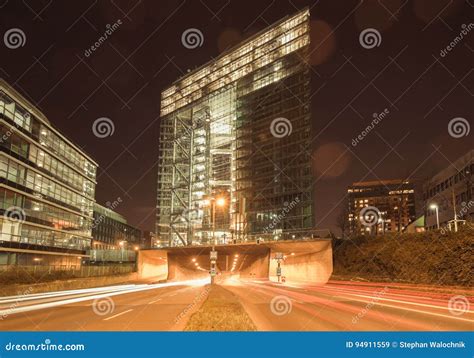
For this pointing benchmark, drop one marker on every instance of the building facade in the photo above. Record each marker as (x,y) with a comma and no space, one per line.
(377,207)
(47,188)
(450,193)
(111,231)
(237,131)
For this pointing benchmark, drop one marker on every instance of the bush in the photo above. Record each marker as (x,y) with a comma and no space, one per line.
(429,257)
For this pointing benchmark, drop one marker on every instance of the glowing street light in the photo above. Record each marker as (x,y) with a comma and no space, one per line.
(435,208)
(213,201)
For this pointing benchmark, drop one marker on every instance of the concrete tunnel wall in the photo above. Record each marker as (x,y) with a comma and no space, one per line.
(312,267)
(178,269)
(152,264)
(256,266)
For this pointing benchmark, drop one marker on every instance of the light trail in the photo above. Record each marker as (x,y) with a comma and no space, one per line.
(101,294)
(373,300)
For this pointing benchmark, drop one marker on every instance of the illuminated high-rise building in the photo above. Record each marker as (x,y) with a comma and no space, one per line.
(47,188)
(235,161)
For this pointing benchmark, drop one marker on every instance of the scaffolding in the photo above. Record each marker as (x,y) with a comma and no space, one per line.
(215,142)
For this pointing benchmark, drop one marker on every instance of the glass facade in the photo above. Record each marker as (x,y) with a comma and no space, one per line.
(216,142)
(47,184)
(111,231)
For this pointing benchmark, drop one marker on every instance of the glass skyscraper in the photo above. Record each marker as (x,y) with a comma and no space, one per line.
(47,186)
(238,129)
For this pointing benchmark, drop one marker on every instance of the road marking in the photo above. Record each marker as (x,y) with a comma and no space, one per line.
(118,314)
(375,302)
(159,299)
(409,303)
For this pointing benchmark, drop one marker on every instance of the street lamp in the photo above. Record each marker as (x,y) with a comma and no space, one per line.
(212,201)
(435,207)
(121,244)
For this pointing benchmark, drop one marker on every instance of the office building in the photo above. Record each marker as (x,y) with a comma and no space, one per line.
(235,147)
(111,231)
(449,193)
(47,187)
(377,207)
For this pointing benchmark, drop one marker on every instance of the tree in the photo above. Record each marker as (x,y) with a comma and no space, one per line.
(342,221)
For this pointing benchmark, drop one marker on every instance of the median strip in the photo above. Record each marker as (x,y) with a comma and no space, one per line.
(220,312)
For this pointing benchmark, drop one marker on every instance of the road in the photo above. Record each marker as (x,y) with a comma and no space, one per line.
(350,306)
(336,306)
(152,307)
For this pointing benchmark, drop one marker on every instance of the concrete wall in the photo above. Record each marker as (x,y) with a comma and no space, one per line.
(152,264)
(312,267)
(256,266)
(179,269)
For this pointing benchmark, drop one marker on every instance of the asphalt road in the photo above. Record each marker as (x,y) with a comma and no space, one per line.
(349,306)
(158,307)
(336,306)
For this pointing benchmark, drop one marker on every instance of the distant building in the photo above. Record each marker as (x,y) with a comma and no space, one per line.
(149,239)
(47,186)
(110,230)
(452,184)
(381,206)
(417,225)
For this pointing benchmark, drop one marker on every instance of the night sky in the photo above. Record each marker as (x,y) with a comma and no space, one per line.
(405,74)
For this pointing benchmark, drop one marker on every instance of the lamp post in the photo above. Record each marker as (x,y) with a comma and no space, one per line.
(435,208)
(213,256)
(212,201)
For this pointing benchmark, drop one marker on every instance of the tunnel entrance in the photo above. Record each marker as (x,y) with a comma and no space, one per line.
(303,261)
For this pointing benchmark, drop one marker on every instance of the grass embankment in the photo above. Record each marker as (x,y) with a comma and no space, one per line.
(220,312)
(422,258)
